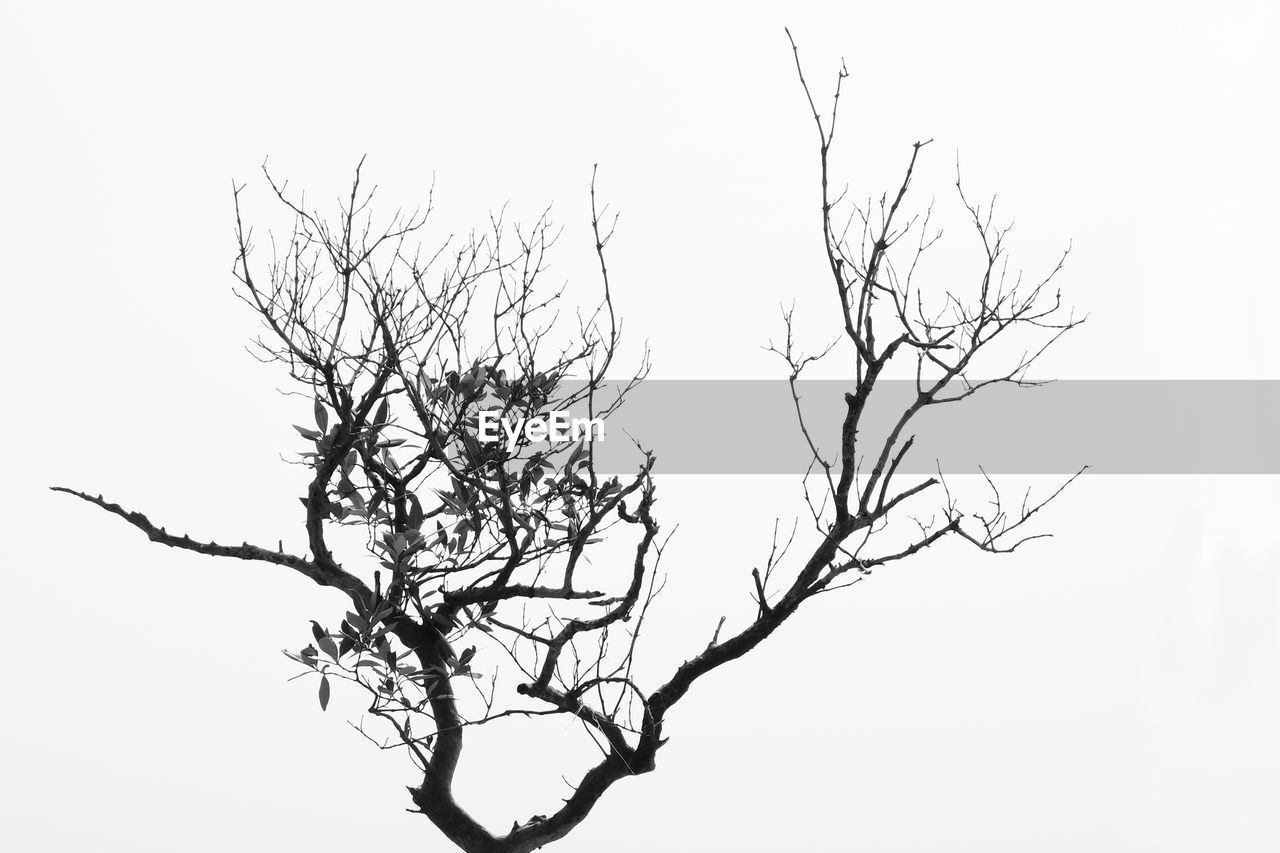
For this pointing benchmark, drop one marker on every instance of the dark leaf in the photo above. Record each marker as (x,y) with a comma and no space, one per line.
(329,648)
(324,692)
(443,621)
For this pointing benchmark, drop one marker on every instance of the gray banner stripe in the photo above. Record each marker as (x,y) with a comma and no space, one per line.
(1116,427)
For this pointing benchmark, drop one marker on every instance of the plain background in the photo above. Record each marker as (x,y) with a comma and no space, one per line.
(1114,688)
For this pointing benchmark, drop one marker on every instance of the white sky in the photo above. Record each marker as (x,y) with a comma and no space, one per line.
(1111,689)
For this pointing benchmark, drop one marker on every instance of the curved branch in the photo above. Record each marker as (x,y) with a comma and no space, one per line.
(329,574)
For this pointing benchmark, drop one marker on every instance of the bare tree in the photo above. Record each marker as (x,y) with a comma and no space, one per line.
(475,544)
